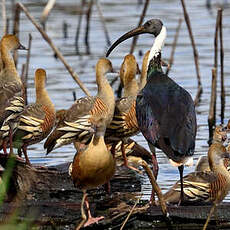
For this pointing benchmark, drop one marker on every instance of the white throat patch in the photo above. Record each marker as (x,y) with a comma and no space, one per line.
(158,44)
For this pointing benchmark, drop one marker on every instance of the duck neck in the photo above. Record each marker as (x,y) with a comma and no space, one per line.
(98,140)
(144,71)
(154,59)
(131,89)
(143,78)
(105,91)
(7,59)
(216,163)
(43,98)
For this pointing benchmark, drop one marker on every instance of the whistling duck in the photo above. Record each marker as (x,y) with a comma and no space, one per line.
(165,111)
(124,122)
(219,136)
(78,123)
(93,167)
(204,187)
(37,120)
(11,88)
(144,68)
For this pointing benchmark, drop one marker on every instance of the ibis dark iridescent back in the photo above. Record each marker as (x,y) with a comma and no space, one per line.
(165,111)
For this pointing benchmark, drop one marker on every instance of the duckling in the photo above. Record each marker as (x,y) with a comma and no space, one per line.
(37,120)
(93,167)
(124,122)
(78,122)
(11,88)
(204,187)
(219,136)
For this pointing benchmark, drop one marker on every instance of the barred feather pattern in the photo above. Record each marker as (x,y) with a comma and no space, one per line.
(195,191)
(99,110)
(36,129)
(124,124)
(11,115)
(205,191)
(82,129)
(218,188)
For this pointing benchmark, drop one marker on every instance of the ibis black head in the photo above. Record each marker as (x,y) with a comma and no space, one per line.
(152,26)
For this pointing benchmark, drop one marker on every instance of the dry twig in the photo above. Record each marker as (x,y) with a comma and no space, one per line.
(103,22)
(49,6)
(16,30)
(4,16)
(139,24)
(140,162)
(171,59)
(55,49)
(27,68)
(130,213)
(212,107)
(221,67)
(195,54)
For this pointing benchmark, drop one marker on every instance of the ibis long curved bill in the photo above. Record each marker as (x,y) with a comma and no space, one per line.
(152,26)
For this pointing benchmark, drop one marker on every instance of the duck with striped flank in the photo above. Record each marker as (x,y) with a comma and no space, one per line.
(11,90)
(78,123)
(165,111)
(37,120)
(204,187)
(92,167)
(124,122)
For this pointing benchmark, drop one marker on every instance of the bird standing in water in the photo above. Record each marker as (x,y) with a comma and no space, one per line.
(165,111)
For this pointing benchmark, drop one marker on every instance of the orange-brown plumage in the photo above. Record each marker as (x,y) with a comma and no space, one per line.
(79,121)
(143,77)
(93,166)
(11,101)
(124,123)
(204,186)
(219,136)
(37,120)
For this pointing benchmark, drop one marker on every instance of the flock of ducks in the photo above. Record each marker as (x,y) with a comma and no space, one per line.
(156,106)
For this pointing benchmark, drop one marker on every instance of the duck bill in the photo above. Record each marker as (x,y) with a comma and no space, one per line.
(21,47)
(132,33)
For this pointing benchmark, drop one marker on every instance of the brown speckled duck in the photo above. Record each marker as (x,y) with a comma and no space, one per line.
(204,187)
(124,123)
(11,101)
(37,120)
(93,167)
(79,121)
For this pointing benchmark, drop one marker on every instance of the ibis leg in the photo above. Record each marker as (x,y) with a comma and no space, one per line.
(181,169)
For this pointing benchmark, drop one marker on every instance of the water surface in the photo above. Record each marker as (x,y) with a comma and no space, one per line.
(121,16)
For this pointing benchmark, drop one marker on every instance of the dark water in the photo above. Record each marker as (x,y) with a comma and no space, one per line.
(121,16)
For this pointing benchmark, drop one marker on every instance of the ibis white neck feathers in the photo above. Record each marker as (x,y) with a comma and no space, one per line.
(158,44)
